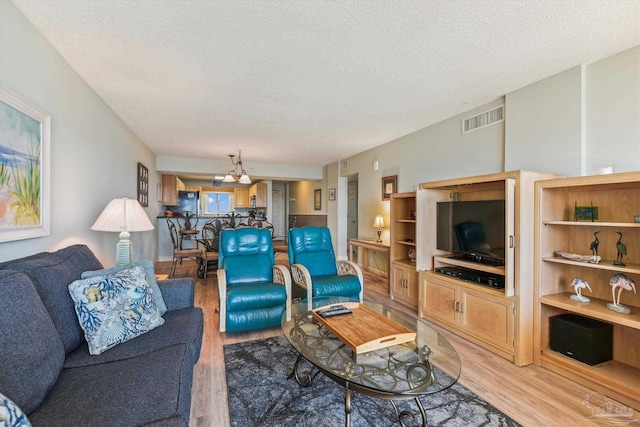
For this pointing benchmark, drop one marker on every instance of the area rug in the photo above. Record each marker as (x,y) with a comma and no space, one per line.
(261,395)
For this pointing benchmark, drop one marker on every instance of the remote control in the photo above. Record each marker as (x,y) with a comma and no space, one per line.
(332,313)
(334,308)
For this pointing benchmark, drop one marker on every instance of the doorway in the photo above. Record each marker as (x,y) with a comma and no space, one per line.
(277,218)
(352,208)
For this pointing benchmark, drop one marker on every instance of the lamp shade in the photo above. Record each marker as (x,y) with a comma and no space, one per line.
(379,222)
(123,215)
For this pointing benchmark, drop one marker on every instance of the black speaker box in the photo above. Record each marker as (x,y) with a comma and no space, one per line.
(581,338)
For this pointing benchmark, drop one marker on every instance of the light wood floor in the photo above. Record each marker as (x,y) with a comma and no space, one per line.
(531,395)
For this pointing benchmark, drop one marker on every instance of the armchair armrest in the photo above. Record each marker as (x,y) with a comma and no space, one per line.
(281,275)
(177,293)
(348,267)
(222,292)
(302,278)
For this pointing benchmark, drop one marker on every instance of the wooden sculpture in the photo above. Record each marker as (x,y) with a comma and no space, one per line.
(621,281)
(578,285)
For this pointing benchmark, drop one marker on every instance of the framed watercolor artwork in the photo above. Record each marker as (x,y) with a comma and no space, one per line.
(332,194)
(24,169)
(317,199)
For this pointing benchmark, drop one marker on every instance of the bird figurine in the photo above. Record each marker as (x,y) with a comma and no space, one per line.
(578,285)
(622,250)
(620,281)
(594,245)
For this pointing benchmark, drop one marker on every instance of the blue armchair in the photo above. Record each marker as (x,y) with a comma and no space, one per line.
(254,292)
(315,269)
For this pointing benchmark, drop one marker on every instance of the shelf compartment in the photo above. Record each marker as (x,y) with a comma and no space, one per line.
(409,221)
(594,224)
(605,264)
(402,242)
(406,262)
(622,380)
(596,309)
(461,262)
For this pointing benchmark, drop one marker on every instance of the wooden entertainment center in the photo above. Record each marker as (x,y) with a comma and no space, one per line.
(500,320)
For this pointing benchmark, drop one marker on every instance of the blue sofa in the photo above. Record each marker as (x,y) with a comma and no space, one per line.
(45,365)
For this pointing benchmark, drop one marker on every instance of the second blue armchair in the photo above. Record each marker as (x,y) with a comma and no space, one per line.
(315,269)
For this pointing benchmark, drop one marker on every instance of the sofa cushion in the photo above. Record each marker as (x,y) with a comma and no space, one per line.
(11,415)
(254,296)
(114,308)
(51,274)
(180,327)
(131,392)
(149,271)
(31,353)
(248,320)
(346,285)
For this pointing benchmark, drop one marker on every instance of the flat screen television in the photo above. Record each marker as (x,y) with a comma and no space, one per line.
(474,229)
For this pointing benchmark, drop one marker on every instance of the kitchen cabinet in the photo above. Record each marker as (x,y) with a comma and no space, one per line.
(171,184)
(258,193)
(241,197)
(617,198)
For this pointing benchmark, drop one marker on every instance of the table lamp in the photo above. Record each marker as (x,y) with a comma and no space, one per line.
(123,215)
(379,223)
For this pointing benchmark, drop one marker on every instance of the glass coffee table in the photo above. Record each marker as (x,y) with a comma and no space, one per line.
(426,365)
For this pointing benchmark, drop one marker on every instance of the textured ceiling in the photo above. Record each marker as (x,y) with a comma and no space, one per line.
(313,82)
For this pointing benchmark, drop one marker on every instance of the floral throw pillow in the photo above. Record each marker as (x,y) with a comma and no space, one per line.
(115,308)
(11,415)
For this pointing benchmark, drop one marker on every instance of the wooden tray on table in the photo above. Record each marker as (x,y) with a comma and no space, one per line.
(365,329)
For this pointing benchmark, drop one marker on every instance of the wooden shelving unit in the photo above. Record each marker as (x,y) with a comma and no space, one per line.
(501,320)
(404,277)
(617,197)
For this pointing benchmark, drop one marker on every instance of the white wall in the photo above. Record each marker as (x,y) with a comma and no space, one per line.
(543,125)
(436,152)
(613,112)
(94,155)
(567,123)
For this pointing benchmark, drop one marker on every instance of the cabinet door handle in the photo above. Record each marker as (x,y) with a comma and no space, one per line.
(461,307)
(455,305)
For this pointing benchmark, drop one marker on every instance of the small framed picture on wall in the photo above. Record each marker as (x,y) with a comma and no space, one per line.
(143,185)
(317,199)
(332,194)
(389,186)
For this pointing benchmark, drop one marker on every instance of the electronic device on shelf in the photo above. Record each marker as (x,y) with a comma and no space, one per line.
(478,277)
(474,229)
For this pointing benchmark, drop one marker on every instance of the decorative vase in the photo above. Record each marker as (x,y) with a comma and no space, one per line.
(412,255)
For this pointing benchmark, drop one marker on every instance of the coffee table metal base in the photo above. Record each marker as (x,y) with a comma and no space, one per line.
(305,378)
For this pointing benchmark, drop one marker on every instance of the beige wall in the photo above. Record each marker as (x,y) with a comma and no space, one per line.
(564,124)
(94,155)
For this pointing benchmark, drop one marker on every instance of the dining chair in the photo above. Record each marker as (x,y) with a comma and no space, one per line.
(195,254)
(187,226)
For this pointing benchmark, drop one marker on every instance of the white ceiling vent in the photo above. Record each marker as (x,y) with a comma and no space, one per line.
(484,119)
(344,164)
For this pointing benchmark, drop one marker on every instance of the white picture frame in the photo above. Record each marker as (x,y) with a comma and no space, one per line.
(25,188)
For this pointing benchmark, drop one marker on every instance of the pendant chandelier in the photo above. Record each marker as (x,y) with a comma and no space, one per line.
(234,175)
